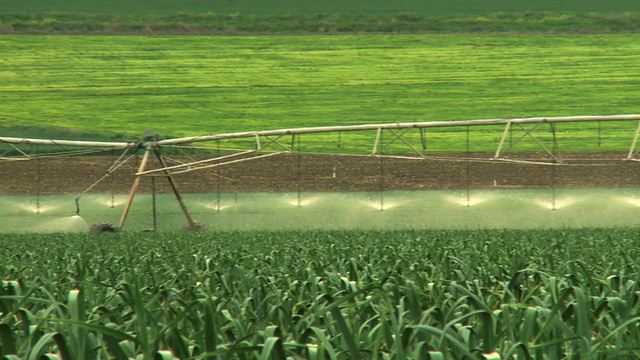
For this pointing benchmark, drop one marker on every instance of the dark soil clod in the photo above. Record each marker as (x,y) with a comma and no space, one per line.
(103,227)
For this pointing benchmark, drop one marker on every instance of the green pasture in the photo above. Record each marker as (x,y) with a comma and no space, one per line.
(476,209)
(114,87)
(434,8)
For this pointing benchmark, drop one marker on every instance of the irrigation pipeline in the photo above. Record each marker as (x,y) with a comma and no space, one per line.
(99,146)
(273,136)
(399,125)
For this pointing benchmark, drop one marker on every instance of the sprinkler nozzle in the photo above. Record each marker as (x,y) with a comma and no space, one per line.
(78,206)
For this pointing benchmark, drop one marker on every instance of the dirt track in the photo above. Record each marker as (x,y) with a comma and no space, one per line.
(317,173)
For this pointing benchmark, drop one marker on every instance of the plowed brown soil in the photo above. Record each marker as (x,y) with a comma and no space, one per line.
(321,173)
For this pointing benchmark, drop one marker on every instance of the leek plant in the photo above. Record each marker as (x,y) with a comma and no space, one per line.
(440,294)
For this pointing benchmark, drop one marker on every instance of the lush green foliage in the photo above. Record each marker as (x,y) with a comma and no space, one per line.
(195,16)
(435,8)
(115,87)
(211,23)
(544,294)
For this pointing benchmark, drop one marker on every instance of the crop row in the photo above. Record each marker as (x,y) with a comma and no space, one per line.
(541,294)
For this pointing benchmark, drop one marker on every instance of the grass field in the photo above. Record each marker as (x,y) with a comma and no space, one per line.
(104,87)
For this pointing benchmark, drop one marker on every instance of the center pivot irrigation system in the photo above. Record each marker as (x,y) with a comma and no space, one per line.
(411,137)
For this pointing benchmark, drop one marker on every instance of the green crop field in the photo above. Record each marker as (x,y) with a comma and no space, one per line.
(440,294)
(114,87)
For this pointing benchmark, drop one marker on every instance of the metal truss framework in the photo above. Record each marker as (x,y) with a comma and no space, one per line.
(273,142)
(399,130)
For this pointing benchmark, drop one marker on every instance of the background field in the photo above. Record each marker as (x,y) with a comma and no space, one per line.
(251,16)
(435,8)
(113,87)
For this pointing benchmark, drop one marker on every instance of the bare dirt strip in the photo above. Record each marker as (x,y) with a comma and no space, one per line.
(326,173)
